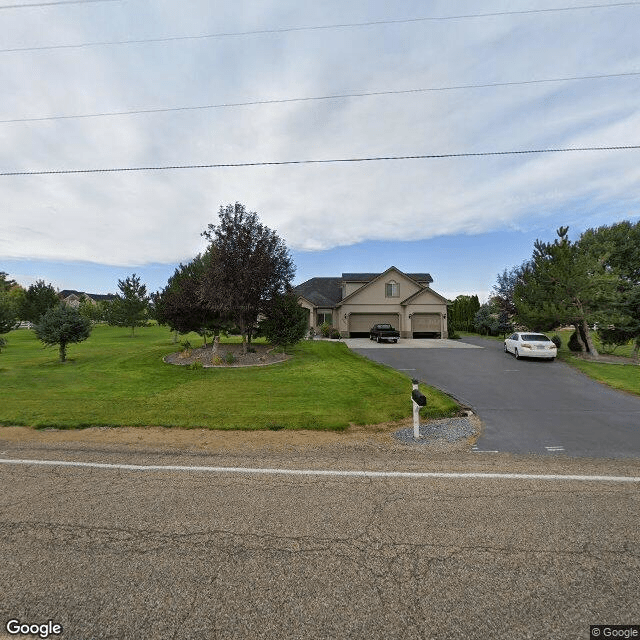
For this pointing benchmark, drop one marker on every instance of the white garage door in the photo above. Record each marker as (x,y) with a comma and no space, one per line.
(362,322)
(425,323)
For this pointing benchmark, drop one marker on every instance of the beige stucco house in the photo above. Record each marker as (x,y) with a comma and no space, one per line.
(354,302)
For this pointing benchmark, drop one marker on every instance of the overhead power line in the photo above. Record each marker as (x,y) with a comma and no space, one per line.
(345,25)
(328,161)
(25,5)
(336,96)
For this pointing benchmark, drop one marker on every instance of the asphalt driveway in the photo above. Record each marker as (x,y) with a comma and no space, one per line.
(526,406)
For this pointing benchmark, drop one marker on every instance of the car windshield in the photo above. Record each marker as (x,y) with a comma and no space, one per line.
(535,337)
(384,326)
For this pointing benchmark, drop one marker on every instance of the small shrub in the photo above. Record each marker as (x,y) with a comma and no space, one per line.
(335,334)
(217,360)
(325,329)
(186,345)
(196,366)
(251,350)
(229,358)
(612,338)
(312,334)
(573,344)
(273,426)
(557,340)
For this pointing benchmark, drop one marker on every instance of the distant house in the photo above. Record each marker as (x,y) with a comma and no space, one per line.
(354,302)
(74,298)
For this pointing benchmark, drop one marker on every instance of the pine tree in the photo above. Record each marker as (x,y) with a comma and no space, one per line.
(130,307)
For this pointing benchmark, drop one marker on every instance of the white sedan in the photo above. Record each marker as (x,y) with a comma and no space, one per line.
(530,345)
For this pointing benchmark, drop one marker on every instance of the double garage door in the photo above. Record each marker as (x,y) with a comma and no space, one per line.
(423,325)
(360,323)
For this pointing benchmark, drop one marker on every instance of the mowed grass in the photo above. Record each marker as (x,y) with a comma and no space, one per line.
(625,377)
(116,380)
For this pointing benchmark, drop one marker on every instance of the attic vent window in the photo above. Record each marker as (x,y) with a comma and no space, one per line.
(392,289)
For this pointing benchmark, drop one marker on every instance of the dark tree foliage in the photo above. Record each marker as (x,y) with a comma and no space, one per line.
(486,320)
(182,308)
(286,322)
(248,264)
(129,308)
(503,292)
(462,312)
(62,325)
(8,313)
(618,249)
(38,299)
(564,284)
(505,325)
(8,316)
(5,284)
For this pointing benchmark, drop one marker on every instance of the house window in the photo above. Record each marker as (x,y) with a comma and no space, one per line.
(325,317)
(392,289)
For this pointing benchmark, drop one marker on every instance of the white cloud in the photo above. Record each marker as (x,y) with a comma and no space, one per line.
(136,218)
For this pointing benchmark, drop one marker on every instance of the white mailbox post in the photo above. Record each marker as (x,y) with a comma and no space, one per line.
(418,400)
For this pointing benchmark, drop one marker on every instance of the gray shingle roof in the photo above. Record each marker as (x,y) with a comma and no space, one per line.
(327,292)
(367,277)
(322,292)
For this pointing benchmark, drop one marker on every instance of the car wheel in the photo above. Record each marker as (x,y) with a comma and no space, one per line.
(395,342)
(378,339)
(516,354)
(505,348)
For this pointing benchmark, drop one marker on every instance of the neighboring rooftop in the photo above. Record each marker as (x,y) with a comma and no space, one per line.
(94,296)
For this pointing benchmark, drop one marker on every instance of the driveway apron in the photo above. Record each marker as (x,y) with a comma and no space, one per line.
(526,406)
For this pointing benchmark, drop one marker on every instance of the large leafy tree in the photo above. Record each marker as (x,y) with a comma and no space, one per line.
(129,308)
(563,284)
(62,325)
(37,300)
(247,265)
(181,306)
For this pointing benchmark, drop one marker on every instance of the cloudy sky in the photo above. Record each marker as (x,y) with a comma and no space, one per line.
(461,219)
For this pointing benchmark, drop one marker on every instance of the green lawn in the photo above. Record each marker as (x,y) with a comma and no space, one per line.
(114,379)
(619,376)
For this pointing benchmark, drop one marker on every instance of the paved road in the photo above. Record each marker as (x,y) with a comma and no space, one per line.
(527,406)
(129,554)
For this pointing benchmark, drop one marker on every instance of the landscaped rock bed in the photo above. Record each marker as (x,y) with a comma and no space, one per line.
(227,355)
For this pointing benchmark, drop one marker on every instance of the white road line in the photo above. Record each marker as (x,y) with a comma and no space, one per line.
(322,472)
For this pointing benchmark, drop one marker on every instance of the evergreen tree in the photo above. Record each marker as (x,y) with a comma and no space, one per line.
(38,299)
(286,322)
(563,284)
(129,308)
(617,247)
(62,325)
